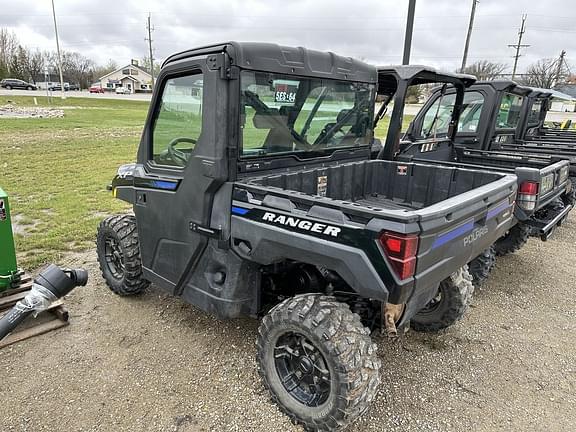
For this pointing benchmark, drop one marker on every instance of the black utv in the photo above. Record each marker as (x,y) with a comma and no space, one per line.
(254,194)
(467,126)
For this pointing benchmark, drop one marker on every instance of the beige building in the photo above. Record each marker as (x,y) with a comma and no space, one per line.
(130,77)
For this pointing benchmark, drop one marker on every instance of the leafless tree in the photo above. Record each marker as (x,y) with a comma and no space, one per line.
(35,64)
(543,73)
(77,68)
(145,64)
(8,48)
(99,70)
(485,70)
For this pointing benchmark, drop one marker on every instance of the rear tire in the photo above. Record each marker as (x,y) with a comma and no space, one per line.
(318,362)
(119,255)
(513,241)
(570,198)
(449,306)
(481,266)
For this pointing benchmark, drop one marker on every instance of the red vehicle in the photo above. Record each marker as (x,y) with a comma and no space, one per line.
(96,89)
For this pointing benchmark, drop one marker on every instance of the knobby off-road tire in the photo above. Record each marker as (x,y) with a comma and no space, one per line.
(449,306)
(571,197)
(318,362)
(119,255)
(481,266)
(513,241)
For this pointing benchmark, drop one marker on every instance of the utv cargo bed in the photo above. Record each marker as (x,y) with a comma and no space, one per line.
(382,186)
(455,213)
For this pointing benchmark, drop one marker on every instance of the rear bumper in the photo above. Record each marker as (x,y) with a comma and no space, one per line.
(545,228)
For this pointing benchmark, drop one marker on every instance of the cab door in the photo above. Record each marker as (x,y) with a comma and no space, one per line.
(175,190)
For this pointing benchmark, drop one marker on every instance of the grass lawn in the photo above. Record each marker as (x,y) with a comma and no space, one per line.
(383,124)
(55,171)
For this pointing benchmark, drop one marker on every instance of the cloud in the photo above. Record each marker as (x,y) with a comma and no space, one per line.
(368,29)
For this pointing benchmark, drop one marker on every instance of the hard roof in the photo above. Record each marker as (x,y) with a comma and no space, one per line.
(269,57)
(425,74)
(506,85)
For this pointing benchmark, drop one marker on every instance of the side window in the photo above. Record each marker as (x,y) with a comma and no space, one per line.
(472,109)
(509,113)
(178,122)
(437,118)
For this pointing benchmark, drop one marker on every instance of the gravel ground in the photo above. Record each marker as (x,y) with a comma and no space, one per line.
(156,364)
(12,111)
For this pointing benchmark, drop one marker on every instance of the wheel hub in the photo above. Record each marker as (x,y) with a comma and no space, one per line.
(302,369)
(306,365)
(114,257)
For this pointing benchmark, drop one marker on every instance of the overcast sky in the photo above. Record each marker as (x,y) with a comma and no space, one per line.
(369,29)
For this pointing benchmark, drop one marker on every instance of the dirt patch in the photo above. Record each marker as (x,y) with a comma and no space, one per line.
(154,363)
(12,111)
(22,225)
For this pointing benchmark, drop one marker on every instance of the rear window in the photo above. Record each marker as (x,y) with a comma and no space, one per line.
(438,117)
(534,115)
(509,112)
(283,114)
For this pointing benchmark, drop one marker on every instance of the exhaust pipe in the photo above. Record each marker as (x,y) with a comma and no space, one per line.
(50,285)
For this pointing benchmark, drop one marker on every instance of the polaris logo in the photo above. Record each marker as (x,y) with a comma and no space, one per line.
(302,224)
(476,234)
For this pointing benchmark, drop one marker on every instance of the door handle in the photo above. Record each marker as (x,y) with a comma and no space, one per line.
(140,198)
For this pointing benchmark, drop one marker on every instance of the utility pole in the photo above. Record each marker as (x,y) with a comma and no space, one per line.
(519,45)
(409,30)
(149,39)
(560,64)
(63,96)
(469,35)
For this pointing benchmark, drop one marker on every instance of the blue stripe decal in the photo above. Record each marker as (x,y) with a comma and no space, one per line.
(451,235)
(167,185)
(497,210)
(239,210)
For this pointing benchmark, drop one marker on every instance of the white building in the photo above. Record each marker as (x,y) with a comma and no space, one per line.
(131,77)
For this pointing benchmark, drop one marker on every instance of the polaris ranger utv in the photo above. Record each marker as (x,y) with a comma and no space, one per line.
(254,195)
(457,126)
(535,129)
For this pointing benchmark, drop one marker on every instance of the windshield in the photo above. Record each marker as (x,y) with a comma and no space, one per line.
(284,114)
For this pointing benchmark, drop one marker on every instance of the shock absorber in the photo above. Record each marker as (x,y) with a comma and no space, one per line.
(50,285)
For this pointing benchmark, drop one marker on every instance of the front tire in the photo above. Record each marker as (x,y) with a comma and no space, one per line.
(119,255)
(481,266)
(8,87)
(516,238)
(29,88)
(318,362)
(449,305)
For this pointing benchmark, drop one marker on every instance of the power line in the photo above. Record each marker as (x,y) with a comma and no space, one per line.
(63,96)
(149,39)
(519,45)
(469,35)
(561,62)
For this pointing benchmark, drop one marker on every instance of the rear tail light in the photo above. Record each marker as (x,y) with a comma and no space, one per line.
(527,195)
(400,249)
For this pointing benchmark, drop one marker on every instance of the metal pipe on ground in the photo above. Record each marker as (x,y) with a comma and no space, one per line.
(50,285)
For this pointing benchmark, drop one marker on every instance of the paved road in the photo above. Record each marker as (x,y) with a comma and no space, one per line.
(72,94)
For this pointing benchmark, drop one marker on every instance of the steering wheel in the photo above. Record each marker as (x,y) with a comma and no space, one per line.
(178,155)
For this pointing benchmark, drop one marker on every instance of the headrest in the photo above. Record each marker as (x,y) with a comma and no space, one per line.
(269,121)
(350,121)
